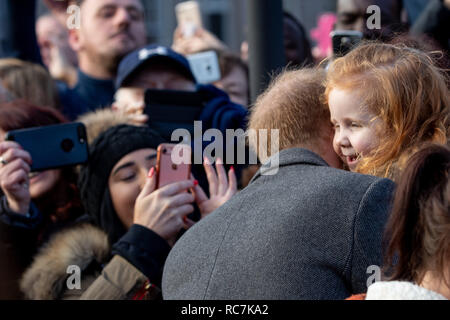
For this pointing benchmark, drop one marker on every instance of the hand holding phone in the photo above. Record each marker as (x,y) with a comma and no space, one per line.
(189,17)
(14,180)
(163,199)
(53,146)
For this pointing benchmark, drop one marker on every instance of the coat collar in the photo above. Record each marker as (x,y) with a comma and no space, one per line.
(288,157)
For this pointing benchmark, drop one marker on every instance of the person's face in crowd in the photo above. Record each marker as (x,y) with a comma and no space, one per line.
(51,33)
(352,14)
(162,77)
(235,83)
(109,29)
(293,40)
(126,181)
(356,129)
(43,182)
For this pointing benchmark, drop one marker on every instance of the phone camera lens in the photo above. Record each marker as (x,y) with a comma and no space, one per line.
(67,145)
(164,150)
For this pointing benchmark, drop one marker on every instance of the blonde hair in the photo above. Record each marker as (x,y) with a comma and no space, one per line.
(402,87)
(29,81)
(292,104)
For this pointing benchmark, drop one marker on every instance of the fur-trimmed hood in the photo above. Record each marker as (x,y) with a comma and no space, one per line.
(79,245)
(100,120)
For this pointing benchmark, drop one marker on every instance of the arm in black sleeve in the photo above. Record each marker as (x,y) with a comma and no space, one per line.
(18,31)
(144,249)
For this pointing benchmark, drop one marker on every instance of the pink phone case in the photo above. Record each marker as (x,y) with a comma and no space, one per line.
(167,171)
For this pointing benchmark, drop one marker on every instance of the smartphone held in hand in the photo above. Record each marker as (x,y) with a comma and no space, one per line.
(173,163)
(53,146)
(189,17)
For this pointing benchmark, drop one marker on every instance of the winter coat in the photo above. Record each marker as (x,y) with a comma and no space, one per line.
(52,276)
(307,232)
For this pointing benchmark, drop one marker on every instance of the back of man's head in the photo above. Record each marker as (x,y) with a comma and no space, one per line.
(294,105)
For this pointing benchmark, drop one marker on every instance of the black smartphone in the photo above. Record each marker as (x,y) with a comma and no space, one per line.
(169,110)
(53,146)
(344,40)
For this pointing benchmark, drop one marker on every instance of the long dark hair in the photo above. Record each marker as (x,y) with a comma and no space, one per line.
(418,230)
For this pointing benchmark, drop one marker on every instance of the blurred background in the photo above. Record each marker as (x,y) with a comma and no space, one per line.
(227,19)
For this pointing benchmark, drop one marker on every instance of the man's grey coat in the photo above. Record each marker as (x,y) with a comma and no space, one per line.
(308,232)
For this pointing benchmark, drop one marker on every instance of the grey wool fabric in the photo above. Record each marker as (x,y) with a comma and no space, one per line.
(308,232)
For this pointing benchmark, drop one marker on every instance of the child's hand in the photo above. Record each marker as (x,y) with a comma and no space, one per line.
(221,189)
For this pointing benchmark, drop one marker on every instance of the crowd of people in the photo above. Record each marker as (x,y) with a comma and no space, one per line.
(358,179)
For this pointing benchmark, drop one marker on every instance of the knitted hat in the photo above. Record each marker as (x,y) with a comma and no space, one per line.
(105,151)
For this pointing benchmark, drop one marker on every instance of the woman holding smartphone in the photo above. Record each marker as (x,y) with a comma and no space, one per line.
(23,196)
(121,251)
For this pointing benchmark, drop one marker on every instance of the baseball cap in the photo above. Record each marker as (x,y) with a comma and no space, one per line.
(133,61)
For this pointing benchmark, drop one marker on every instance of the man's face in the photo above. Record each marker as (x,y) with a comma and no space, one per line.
(162,77)
(111,28)
(352,14)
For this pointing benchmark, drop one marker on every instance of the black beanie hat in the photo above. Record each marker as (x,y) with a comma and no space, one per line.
(105,151)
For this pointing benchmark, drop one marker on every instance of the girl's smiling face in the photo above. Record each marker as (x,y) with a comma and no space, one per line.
(356,129)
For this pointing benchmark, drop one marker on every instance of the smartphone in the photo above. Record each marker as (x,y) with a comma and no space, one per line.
(53,146)
(169,165)
(189,17)
(169,110)
(344,40)
(205,66)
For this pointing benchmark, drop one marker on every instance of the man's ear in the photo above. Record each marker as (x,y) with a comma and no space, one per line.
(74,40)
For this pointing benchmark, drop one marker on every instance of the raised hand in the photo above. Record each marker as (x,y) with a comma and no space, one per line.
(221,188)
(14,181)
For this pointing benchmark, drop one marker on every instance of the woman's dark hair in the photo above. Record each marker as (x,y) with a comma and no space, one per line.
(418,230)
(20,114)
